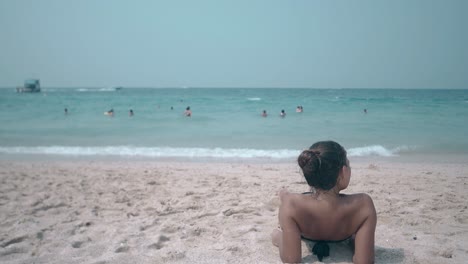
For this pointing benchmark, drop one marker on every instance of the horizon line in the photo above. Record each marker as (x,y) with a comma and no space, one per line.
(235,87)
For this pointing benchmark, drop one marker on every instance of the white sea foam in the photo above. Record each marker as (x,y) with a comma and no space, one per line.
(110,89)
(254,99)
(375,150)
(131,151)
(107,89)
(152,152)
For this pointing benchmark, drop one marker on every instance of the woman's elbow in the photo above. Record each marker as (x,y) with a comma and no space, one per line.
(291,258)
(369,260)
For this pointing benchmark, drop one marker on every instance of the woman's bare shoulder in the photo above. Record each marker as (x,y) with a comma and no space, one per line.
(287,197)
(361,201)
(358,196)
(291,201)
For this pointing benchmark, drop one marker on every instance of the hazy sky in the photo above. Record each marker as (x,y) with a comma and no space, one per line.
(236,43)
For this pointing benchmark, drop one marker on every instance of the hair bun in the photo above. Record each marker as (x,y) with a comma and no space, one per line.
(309,157)
(321,164)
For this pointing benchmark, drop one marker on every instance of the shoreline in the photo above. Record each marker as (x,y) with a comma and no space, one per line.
(405,158)
(84,211)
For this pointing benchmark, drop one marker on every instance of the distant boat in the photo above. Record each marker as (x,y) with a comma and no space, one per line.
(30,86)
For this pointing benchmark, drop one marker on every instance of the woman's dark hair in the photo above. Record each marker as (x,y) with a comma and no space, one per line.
(321,164)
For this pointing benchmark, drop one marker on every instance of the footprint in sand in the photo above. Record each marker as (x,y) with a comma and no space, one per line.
(445,253)
(242,211)
(160,244)
(123,247)
(13,250)
(174,255)
(40,235)
(77,244)
(197,231)
(153,183)
(14,241)
(80,242)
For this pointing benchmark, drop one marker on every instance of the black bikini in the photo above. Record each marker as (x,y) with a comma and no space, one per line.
(321,248)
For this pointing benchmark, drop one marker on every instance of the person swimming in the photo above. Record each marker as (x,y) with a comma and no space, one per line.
(283,114)
(130,112)
(324,214)
(110,112)
(188,112)
(264,113)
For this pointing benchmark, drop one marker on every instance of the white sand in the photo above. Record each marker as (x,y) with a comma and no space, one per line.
(172,212)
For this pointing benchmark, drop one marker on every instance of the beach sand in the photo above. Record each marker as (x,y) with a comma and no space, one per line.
(174,212)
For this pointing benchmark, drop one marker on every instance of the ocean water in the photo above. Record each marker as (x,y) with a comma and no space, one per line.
(227,122)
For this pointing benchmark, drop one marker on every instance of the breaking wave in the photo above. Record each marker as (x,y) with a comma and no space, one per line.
(168,152)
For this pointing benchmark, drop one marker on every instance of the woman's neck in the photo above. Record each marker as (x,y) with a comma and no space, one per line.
(326,194)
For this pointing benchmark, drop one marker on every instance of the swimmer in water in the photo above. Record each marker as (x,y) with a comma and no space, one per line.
(110,112)
(188,112)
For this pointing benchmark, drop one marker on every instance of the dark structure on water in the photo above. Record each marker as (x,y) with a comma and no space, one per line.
(30,86)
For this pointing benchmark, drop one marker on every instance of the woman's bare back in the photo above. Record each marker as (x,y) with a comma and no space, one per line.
(327,218)
(325,215)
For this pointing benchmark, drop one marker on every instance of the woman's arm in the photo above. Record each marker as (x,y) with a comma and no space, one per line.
(289,242)
(364,240)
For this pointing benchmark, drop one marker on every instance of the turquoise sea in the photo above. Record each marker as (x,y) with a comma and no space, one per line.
(227,122)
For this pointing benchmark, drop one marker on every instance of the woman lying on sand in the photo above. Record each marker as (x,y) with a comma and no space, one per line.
(325,215)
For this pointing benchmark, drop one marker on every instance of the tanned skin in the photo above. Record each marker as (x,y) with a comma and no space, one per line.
(326,215)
